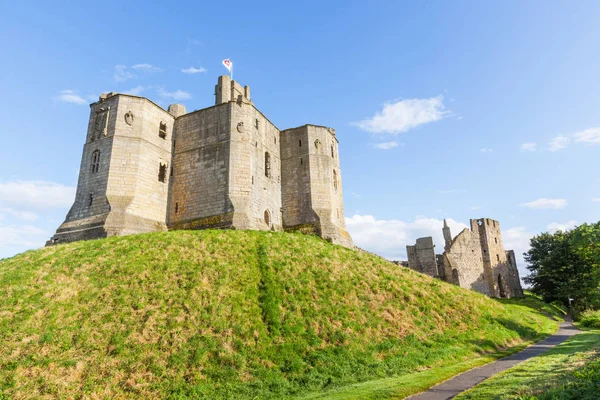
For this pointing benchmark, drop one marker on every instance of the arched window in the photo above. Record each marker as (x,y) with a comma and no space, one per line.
(267,217)
(267,164)
(95,166)
(335,179)
(332,154)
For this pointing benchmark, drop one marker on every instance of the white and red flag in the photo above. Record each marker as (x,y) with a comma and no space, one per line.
(227,64)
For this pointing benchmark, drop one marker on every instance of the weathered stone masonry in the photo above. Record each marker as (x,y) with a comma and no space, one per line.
(145,169)
(475,259)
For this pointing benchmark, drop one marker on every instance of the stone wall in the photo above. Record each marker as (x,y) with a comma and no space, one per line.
(255,173)
(464,264)
(422,258)
(200,181)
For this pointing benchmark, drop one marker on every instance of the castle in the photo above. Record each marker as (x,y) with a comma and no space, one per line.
(475,259)
(145,169)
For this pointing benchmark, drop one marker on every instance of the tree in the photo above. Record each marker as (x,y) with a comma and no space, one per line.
(566,265)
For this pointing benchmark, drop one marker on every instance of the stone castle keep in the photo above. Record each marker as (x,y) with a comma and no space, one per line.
(145,169)
(475,259)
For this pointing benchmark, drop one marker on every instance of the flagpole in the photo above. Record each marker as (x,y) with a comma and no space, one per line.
(231,72)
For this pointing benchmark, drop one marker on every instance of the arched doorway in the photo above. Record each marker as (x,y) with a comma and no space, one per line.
(267,217)
(455,279)
(501,286)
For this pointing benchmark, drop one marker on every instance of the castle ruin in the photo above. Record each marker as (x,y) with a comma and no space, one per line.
(474,259)
(148,169)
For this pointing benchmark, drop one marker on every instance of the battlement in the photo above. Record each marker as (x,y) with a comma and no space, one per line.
(227,90)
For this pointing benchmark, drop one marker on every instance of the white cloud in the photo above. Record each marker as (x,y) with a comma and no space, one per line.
(556,226)
(36,194)
(475,207)
(400,116)
(590,136)
(149,68)
(558,143)
(517,239)
(70,96)
(385,145)
(136,91)
(528,147)
(545,203)
(192,70)
(486,150)
(25,235)
(176,95)
(597,199)
(24,215)
(122,74)
(389,238)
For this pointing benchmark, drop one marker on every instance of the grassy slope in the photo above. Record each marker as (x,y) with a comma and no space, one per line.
(570,370)
(223,314)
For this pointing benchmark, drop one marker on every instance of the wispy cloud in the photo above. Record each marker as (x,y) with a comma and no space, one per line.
(449,191)
(136,91)
(558,143)
(589,136)
(486,150)
(596,200)
(556,226)
(70,96)
(36,194)
(400,116)
(122,73)
(192,70)
(24,215)
(531,146)
(148,68)
(544,203)
(385,145)
(176,95)
(475,207)
(25,235)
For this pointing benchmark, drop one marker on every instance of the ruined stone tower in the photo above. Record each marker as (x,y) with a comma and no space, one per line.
(475,259)
(227,166)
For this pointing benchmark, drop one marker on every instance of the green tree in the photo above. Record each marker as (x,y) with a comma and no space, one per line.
(566,265)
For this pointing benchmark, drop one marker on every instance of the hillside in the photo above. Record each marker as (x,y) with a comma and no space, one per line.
(224,314)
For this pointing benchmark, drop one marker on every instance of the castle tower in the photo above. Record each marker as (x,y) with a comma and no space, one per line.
(497,267)
(123,179)
(311,189)
(447,235)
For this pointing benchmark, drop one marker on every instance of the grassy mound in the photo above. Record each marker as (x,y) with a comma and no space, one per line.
(232,314)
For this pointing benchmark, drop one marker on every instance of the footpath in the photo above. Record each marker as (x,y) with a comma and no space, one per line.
(466,380)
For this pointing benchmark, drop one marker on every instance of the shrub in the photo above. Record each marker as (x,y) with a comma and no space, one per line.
(590,319)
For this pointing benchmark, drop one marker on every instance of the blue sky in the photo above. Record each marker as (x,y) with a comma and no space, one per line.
(454,110)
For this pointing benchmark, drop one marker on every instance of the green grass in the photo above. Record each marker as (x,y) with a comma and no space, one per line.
(571,370)
(236,314)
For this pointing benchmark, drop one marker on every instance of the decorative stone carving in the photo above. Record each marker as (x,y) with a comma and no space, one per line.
(240,127)
(318,144)
(129,118)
